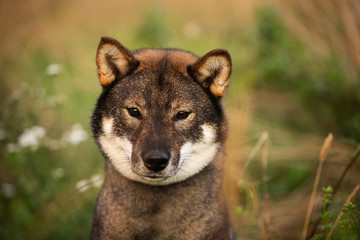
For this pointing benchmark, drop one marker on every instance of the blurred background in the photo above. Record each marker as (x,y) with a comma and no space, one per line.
(296,77)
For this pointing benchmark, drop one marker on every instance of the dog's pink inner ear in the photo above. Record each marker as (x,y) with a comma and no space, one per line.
(113,60)
(213,71)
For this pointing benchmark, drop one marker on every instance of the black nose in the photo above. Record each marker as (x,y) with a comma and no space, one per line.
(156,161)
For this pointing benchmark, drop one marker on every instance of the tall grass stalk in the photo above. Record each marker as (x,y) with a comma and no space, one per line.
(265,163)
(332,25)
(263,137)
(323,154)
(262,212)
(257,209)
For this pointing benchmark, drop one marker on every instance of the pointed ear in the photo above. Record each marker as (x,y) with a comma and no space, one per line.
(213,71)
(113,60)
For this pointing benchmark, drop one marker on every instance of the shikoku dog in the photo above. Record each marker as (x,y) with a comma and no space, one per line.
(161,128)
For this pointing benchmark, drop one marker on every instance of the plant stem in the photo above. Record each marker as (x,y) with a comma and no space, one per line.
(323,154)
(325,220)
(351,163)
(256,205)
(337,185)
(311,203)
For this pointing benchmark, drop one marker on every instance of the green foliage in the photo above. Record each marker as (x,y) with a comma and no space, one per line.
(153,31)
(327,195)
(284,179)
(351,220)
(280,55)
(320,82)
(318,236)
(326,214)
(347,228)
(39,197)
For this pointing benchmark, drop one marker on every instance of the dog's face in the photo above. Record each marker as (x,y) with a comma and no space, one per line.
(159,119)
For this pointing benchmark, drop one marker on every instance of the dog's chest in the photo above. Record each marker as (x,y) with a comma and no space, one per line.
(162,212)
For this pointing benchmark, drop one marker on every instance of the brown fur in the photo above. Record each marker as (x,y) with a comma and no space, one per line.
(177,60)
(179,211)
(160,84)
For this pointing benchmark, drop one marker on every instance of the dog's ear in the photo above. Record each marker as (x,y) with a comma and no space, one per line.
(213,71)
(113,61)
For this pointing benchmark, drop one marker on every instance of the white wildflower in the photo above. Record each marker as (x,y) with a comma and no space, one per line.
(12,147)
(54,69)
(31,137)
(56,100)
(82,185)
(58,173)
(8,190)
(76,135)
(96,180)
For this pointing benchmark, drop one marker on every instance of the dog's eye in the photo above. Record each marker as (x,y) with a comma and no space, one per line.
(134,112)
(181,115)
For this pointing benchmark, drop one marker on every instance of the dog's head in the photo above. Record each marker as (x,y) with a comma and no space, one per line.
(159,119)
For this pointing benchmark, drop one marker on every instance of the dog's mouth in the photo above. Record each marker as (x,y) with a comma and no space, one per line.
(153,178)
(153,172)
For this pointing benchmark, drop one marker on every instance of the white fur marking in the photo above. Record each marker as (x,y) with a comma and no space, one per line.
(107,124)
(118,149)
(193,156)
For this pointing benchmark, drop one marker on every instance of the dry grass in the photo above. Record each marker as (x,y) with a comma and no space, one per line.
(327,26)
(323,154)
(286,215)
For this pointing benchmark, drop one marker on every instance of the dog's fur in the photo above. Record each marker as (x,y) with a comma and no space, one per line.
(160,126)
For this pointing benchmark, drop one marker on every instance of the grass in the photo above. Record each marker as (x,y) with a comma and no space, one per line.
(323,154)
(291,81)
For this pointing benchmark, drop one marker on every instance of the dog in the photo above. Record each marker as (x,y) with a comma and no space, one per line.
(160,125)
